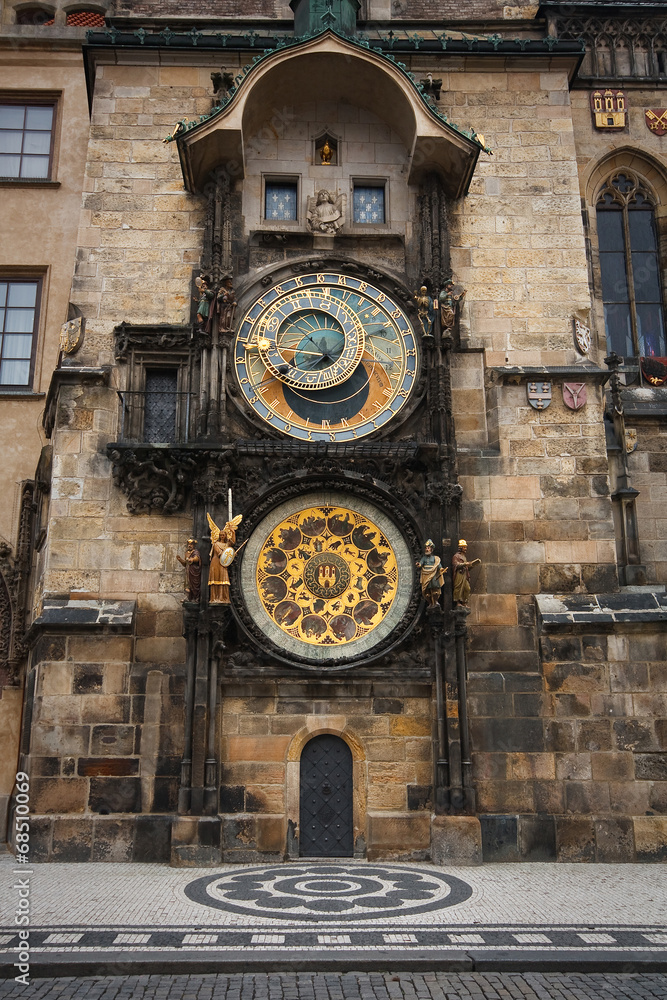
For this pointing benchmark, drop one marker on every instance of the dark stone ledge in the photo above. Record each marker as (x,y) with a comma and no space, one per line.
(602,609)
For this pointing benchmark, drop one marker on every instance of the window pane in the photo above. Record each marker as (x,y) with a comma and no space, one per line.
(35,166)
(650,330)
(619,330)
(10,142)
(37,142)
(14,373)
(610,229)
(160,405)
(22,293)
(9,166)
(368,204)
(17,345)
(3,292)
(646,278)
(11,116)
(19,320)
(614,279)
(39,118)
(280,201)
(642,232)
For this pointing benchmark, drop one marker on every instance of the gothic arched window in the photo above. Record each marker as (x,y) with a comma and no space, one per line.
(630,268)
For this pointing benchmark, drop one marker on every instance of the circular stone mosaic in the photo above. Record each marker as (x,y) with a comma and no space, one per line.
(327,575)
(329,891)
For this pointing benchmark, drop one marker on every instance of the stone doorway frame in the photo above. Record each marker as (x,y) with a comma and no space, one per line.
(319,725)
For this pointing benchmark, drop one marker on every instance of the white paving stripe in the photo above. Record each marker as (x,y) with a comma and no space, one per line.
(200,939)
(532,938)
(132,939)
(466,938)
(63,939)
(595,938)
(400,938)
(334,939)
(268,939)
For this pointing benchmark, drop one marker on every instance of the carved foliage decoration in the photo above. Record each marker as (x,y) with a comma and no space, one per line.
(161,337)
(152,478)
(619,47)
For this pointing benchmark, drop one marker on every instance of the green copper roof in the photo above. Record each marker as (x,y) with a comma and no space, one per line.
(361,41)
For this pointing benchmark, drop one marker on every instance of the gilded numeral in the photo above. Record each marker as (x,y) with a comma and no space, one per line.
(344,422)
(321,278)
(382,297)
(342,280)
(278,289)
(326,424)
(387,392)
(412,353)
(298,282)
(245,381)
(403,393)
(332,436)
(363,285)
(396,314)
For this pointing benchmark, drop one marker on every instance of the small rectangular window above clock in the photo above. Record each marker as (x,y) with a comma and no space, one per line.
(281,200)
(369,203)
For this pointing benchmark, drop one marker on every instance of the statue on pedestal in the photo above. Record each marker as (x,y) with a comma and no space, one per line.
(226,305)
(425,311)
(461,574)
(450,299)
(222,556)
(432,575)
(192,563)
(206,296)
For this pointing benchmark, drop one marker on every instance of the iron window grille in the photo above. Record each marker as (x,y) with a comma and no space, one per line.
(158,414)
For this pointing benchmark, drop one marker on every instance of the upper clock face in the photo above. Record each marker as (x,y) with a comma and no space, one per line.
(326,357)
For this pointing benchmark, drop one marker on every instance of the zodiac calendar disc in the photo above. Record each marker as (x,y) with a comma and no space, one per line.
(330,577)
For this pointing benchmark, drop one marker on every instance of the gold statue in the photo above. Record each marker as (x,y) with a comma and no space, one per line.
(432,575)
(326,153)
(222,555)
(192,563)
(461,574)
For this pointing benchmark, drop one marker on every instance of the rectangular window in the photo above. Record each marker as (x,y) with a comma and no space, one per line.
(280,201)
(368,204)
(18,330)
(26,134)
(161,405)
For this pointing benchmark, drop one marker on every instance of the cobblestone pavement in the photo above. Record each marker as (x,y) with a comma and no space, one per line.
(118,919)
(350,986)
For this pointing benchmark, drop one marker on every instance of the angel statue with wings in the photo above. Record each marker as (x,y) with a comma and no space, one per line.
(325,212)
(222,555)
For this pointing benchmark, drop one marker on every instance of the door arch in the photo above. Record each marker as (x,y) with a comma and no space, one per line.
(326,798)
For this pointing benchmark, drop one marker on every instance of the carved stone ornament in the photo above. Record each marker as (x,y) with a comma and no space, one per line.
(539,394)
(71,335)
(574,395)
(656,120)
(630,440)
(582,336)
(160,337)
(325,212)
(609,109)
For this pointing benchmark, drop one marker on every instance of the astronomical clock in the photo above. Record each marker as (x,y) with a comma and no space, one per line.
(326,357)
(327,575)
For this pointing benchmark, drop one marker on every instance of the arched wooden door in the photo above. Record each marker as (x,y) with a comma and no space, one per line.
(326,799)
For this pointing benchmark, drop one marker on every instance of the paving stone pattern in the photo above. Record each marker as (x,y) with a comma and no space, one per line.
(351,986)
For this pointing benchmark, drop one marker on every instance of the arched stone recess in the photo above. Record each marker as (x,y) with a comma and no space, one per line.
(319,725)
(328,68)
(648,170)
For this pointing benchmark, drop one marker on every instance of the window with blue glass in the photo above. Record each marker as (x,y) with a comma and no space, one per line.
(630,268)
(280,201)
(368,204)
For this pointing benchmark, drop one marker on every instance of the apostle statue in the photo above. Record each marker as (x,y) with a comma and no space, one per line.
(222,556)
(425,311)
(432,575)
(192,563)
(461,574)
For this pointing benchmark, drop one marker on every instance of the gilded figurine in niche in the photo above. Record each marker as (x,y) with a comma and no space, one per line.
(432,575)
(325,213)
(450,300)
(222,556)
(425,311)
(461,574)
(192,563)
(326,153)
(226,305)
(206,296)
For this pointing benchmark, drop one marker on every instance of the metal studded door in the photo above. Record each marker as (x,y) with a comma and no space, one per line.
(326,799)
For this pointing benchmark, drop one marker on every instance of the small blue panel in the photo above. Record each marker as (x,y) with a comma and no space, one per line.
(280,202)
(368,204)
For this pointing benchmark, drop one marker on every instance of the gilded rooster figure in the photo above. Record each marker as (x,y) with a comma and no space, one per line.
(222,556)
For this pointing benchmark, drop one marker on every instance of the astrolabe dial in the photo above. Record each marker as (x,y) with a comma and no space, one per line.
(327,575)
(326,357)
(311,341)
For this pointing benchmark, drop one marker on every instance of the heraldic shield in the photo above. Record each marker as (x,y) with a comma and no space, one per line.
(574,395)
(539,394)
